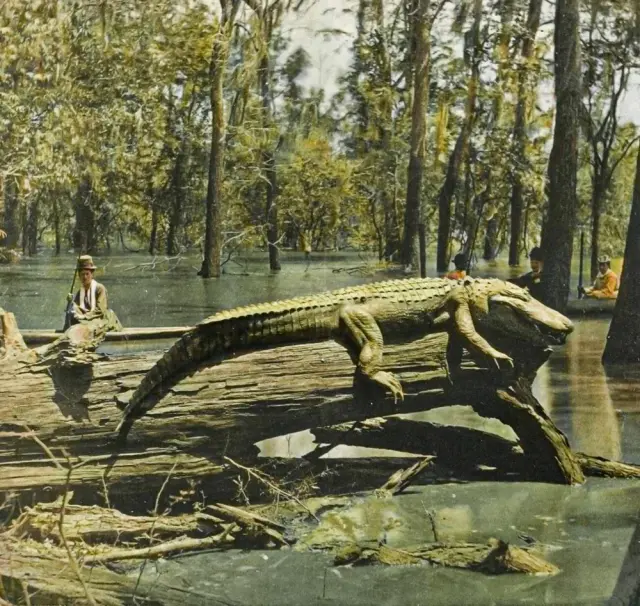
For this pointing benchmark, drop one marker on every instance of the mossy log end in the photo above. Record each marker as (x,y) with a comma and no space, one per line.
(59,415)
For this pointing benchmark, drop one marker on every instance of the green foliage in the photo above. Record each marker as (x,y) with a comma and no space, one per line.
(116,95)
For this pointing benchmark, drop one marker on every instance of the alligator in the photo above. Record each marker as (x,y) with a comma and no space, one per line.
(362,318)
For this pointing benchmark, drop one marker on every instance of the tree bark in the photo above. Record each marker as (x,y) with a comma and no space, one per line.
(177,199)
(623,340)
(558,230)
(214,213)
(490,248)
(412,216)
(269,159)
(519,130)
(456,160)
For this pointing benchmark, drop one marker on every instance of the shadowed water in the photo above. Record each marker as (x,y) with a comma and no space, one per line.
(585,530)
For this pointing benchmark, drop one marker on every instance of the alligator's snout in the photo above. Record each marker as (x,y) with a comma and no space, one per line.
(548,320)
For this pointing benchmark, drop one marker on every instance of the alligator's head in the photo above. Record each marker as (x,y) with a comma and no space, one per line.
(510,312)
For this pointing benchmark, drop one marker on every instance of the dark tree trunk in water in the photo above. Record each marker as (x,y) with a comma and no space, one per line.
(597,197)
(56,224)
(213,227)
(421,37)
(177,202)
(490,240)
(84,230)
(31,231)
(519,131)
(461,148)
(153,238)
(557,233)
(623,340)
(269,162)
(11,207)
(24,219)
(213,224)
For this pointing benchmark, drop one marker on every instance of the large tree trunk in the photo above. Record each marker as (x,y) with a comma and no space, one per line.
(558,230)
(213,225)
(384,117)
(269,162)
(177,199)
(623,340)
(519,131)
(412,215)
(461,148)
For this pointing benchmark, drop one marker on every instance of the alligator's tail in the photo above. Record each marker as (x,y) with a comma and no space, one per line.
(226,332)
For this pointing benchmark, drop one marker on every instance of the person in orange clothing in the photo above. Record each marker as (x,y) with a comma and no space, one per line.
(605,286)
(460,261)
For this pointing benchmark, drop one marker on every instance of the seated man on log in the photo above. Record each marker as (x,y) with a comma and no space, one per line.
(605,286)
(90,302)
(460,272)
(533,279)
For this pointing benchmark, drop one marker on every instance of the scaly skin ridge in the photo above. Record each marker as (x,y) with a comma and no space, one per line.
(358,312)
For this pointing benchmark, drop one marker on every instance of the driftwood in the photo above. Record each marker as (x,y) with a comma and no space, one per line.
(496,557)
(31,573)
(60,415)
(403,478)
(99,536)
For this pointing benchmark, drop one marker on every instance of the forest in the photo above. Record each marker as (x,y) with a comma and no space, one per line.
(194,129)
(165,126)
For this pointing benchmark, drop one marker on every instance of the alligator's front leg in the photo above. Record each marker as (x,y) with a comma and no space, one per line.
(363,334)
(463,325)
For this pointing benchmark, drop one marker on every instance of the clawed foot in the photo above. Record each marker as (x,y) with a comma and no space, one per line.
(496,356)
(391,382)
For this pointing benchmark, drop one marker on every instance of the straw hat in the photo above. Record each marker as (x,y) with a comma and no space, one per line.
(86,262)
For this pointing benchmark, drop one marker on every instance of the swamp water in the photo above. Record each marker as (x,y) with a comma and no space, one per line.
(586,530)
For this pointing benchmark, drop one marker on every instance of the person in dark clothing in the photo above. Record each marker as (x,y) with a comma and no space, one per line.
(533,279)
(460,272)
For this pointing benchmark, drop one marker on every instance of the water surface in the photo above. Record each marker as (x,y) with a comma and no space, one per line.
(586,530)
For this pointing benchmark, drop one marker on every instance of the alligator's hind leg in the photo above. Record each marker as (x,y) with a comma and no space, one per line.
(363,333)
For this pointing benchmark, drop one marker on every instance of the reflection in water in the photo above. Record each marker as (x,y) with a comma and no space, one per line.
(574,390)
(596,430)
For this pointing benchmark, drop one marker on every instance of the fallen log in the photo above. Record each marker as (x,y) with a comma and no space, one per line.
(460,449)
(55,418)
